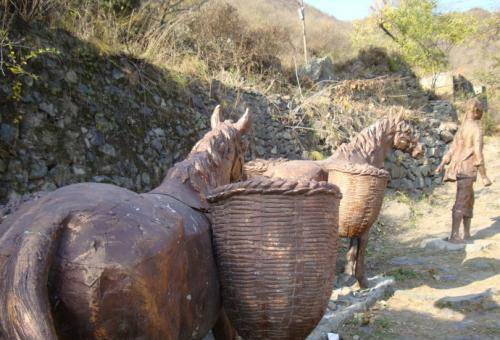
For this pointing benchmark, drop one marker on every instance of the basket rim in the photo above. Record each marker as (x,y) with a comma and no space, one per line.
(362,169)
(268,186)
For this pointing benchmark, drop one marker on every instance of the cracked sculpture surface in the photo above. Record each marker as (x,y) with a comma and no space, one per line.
(465,159)
(96,261)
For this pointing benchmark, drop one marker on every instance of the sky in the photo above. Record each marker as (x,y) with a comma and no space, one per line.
(358,9)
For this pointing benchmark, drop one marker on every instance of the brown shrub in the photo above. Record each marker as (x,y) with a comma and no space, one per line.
(224,41)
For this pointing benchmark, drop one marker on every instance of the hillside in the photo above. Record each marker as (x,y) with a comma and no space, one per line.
(479,52)
(326,34)
(329,36)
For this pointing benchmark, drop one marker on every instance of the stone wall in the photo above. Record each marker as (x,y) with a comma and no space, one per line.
(71,126)
(117,120)
(85,117)
(437,129)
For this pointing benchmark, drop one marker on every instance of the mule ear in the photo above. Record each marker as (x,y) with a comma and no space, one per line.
(216,118)
(243,124)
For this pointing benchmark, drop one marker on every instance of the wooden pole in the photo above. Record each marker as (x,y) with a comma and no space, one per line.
(303,19)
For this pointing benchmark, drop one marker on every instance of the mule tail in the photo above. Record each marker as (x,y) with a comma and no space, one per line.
(31,243)
(259,166)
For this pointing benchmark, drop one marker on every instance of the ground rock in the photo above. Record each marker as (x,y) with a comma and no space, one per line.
(359,301)
(433,244)
(471,302)
(318,69)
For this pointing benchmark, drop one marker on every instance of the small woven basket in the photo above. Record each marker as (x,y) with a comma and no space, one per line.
(362,188)
(275,246)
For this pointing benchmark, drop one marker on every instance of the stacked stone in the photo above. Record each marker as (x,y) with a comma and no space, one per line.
(437,129)
(92,118)
(74,125)
(89,118)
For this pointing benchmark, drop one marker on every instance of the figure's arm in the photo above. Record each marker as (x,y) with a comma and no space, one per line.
(478,154)
(486,180)
(447,156)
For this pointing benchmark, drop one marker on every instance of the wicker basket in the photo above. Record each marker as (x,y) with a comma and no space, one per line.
(275,245)
(362,188)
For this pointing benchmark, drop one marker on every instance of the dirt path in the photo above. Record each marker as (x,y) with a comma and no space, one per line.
(440,294)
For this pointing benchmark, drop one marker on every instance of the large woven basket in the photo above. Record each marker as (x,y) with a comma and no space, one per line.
(362,188)
(275,245)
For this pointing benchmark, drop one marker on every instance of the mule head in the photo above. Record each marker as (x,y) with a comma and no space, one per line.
(406,140)
(231,153)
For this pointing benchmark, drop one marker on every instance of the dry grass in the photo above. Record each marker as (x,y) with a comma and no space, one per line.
(27,10)
(226,42)
(204,38)
(240,42)
(344,108)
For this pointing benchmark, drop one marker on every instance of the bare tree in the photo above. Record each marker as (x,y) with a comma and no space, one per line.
(303,19)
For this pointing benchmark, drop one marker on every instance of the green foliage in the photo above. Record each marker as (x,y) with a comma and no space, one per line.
(421,35)
(316,155)
(14,63)
(394,65)
(402,274)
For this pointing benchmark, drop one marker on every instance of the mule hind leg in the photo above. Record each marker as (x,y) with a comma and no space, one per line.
(360,260)
(351,257)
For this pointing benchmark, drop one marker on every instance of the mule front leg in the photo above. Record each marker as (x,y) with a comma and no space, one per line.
(351,257)
(360,260)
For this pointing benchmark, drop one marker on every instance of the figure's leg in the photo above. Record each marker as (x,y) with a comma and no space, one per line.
(456,220)
(467,222)
(457,215)
(223,330)
(468,207)
(351,256)
(360,260)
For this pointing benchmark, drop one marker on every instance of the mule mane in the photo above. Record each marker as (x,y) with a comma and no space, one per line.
(200,168)
(366,142)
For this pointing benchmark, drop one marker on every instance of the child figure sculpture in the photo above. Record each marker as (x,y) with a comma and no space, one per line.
(465,159)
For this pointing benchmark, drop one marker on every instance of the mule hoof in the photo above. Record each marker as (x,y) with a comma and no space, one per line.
(363,283)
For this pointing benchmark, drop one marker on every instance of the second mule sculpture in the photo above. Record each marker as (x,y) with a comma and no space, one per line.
(369,147)
(96,261)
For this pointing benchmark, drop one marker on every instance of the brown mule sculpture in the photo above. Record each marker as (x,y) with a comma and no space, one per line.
(369,147)
(96,261)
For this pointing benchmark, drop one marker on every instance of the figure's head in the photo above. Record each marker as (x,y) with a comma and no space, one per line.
(406,139)
(475,109)
(225,147)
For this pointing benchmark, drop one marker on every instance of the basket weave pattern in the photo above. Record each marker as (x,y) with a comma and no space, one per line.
(275,245)
(363,192)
